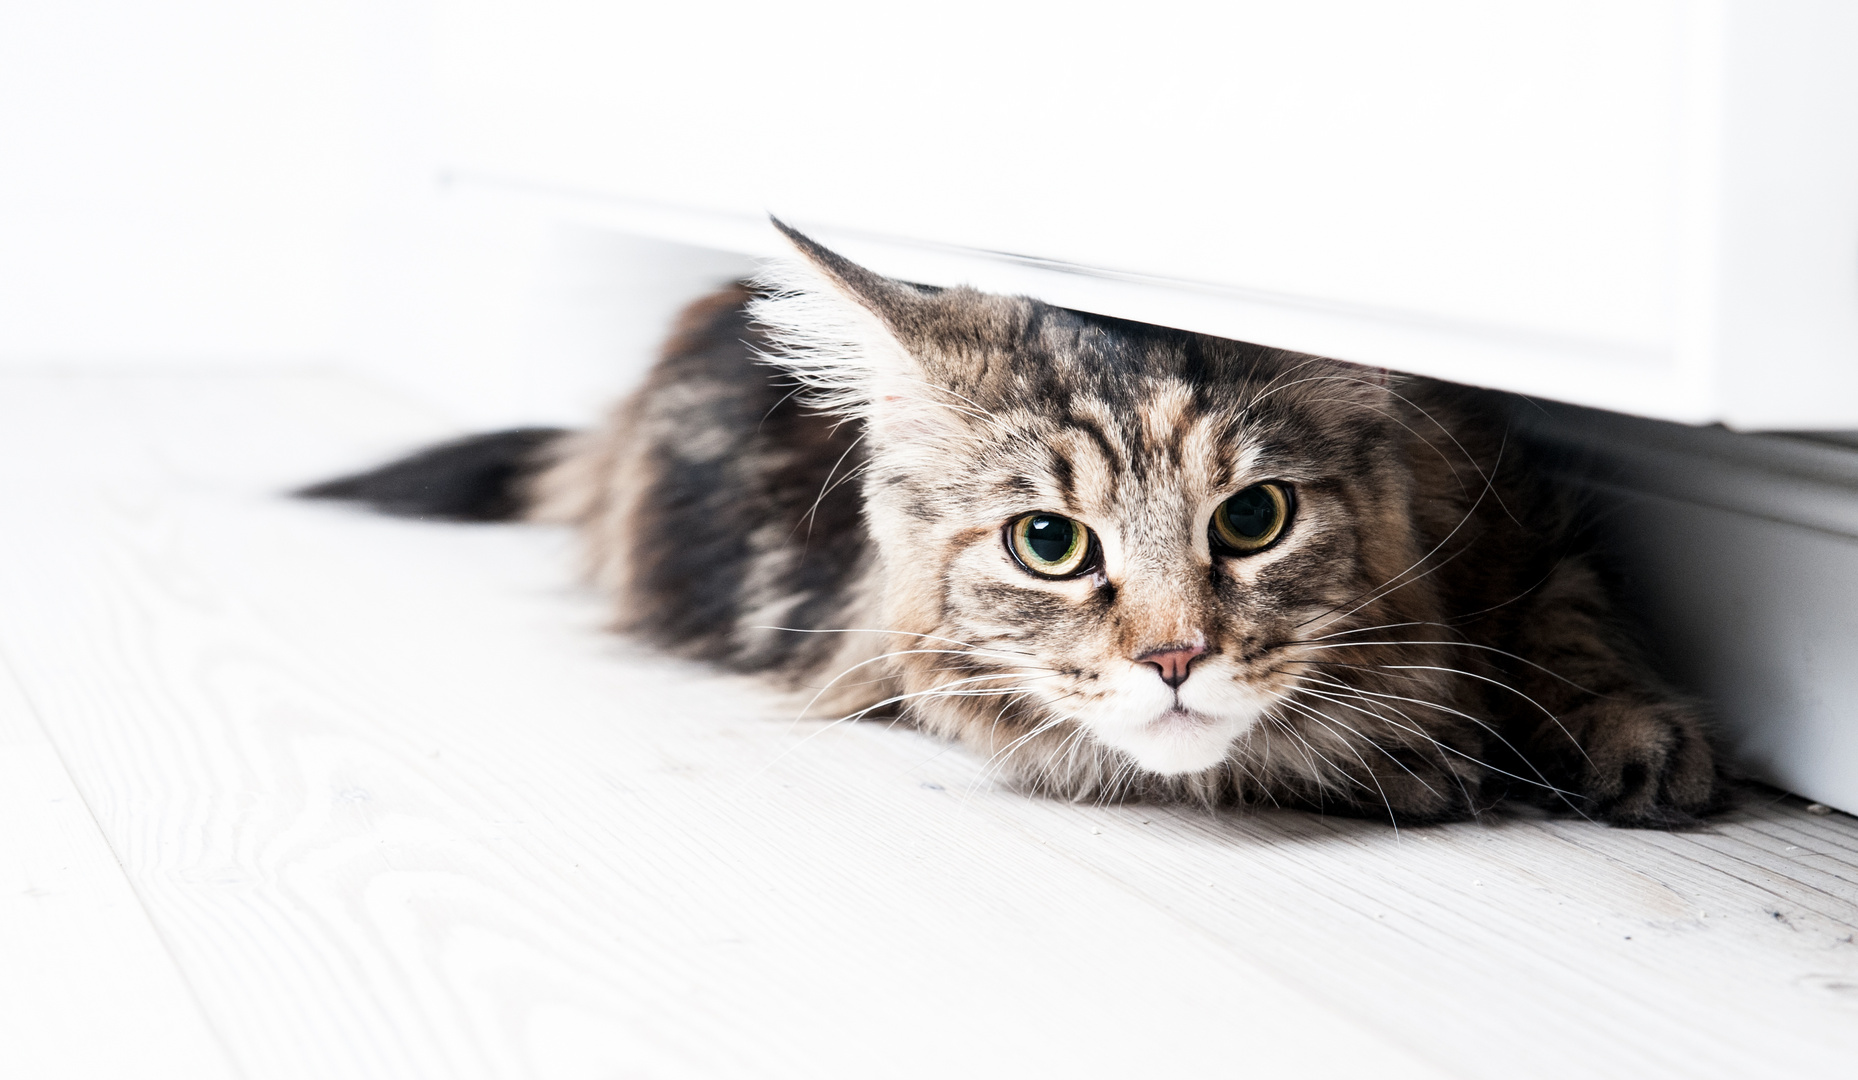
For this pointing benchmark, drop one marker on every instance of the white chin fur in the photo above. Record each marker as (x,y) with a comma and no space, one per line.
(1175,743)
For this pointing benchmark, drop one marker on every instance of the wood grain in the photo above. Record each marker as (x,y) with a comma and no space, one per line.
(87,988)
(398,809)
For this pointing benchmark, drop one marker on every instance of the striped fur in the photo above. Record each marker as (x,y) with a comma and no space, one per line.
(815,481)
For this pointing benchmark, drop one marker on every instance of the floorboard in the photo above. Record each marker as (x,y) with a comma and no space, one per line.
(87,987)
(394,806)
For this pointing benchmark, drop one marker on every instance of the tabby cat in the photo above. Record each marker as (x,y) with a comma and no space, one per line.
(1118,561)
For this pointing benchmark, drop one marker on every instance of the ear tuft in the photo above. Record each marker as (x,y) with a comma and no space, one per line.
(822,315)
(895,302)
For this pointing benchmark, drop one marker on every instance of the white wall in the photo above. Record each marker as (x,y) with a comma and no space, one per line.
(506,318)
(179,180)
(206,183)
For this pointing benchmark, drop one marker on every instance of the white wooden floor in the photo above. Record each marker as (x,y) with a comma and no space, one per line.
(291,791)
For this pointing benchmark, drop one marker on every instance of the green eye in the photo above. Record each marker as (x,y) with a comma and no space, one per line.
(1049,545)
(1252,520)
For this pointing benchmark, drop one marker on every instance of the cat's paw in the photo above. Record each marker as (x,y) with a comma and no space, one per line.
(1644,763)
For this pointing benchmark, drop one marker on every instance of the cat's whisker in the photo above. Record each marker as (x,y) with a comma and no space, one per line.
(990,691)
(835,680)
(1069,746)
(872,630)
(1111,790)
(1372,708)
(1361,691)
(959,410)
(1465,645)
(997,760)
(1335,769)
(1489,478)
(1053,718)
(1388,587)
(809,518)
(996,763)
(980,409)
(1371,629)
(825,489)
(1280,387)
(1377,597)
(1043,673)
(950,689)
(1269,387)
(1378,669)
(895,653)
(1542,780)
(1276,724)
(1039,728)
(1317,716)
(860,714)
(1466,619)
(1301,745)
(798,387)
(1434,447)
(1500,685)
(1457,621)
(1378,710)
(1392,817)
(1082,756)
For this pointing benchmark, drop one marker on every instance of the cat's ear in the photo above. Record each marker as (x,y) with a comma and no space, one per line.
(895,303)
(847,334)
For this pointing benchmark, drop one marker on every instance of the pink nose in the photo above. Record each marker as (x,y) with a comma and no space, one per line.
(1172,661)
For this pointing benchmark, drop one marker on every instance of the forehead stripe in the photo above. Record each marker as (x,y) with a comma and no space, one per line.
(1092,430)
(1063,475)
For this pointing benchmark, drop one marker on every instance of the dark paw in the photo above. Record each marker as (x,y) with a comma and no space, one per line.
(1645,764)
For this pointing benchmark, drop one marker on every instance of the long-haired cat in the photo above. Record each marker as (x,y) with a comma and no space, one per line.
(1117,561)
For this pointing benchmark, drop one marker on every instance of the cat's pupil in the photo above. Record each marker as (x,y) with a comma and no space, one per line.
(1050,538)
(1252,512)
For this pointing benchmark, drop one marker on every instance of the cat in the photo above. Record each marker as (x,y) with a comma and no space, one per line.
(1118,561)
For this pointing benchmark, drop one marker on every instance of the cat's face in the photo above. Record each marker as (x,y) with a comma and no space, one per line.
(1100,535)
(1141,566)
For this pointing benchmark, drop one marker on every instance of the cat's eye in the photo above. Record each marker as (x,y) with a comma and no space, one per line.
(1049,545)
(1252,520)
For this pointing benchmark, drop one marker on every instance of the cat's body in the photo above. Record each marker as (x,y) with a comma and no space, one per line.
(1404,622)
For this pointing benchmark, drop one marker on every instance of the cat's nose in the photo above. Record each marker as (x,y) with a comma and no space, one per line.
(1172,661)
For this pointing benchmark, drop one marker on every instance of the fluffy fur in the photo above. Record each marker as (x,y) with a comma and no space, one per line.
(815,482)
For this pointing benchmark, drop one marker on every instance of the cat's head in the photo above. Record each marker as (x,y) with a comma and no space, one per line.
(1104,545)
